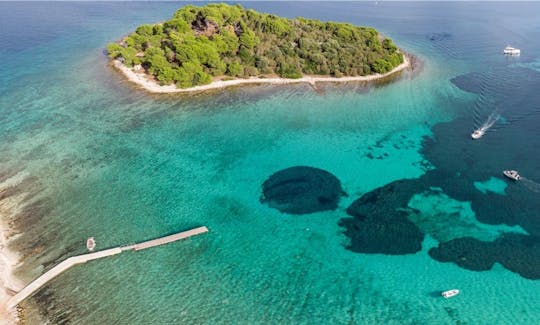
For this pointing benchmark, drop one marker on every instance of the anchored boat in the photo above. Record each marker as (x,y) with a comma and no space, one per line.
(450,293)
(511,51)
(90,243)
(512,174)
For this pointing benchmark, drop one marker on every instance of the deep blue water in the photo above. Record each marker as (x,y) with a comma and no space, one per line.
(412,207)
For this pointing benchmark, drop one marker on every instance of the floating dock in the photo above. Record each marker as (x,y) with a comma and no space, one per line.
(79,259)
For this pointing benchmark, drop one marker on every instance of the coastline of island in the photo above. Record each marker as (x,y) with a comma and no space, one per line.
(219,45)
(146,82)
(9,260)
(8,282)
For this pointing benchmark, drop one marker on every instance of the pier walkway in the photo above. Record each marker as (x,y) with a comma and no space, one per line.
(79,259)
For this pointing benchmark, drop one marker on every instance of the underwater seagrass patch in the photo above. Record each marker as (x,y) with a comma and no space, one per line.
(516,252)
(379,225)
(302,190)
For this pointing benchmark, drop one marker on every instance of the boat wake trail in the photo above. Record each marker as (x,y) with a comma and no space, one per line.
(492,118)
(484,104)
(444,43)
(530,184)
(481,130)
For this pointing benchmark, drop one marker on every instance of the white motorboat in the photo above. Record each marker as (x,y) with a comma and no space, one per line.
(512,174)
(90,243)
(511,51)
(477,134)
(450,293)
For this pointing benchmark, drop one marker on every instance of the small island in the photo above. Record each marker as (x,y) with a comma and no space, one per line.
(220,45)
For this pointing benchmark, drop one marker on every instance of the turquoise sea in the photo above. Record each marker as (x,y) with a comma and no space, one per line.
(84,153)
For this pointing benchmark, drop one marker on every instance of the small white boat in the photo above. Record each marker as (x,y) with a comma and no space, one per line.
(511,51)
(512,174)
(477,134)
(450,293)
(90,243)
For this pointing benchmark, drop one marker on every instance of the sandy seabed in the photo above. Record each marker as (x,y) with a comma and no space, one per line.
(9,259)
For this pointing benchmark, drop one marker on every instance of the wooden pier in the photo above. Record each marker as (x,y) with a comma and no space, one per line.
(79,259)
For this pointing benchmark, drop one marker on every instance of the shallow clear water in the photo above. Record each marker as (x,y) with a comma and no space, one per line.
(100,158)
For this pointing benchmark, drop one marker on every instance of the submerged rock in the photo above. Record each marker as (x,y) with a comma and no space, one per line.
(302,190)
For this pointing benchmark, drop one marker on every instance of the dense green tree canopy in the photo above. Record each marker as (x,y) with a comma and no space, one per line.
(199,43)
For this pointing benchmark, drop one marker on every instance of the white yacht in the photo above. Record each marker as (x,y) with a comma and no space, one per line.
(512,174)
(511,51)
(90,243)
(450,293)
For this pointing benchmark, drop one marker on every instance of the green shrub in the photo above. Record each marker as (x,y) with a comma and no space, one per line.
(235,69)
(242,43)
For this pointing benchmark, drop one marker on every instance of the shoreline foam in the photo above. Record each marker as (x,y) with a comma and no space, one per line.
(150,85)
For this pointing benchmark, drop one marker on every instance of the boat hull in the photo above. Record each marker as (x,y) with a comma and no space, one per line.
(90,244)
(477,135)
(512,174)
(511,51)
(450,293)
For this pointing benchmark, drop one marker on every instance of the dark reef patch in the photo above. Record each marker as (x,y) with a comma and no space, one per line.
(470,82)
(480,160)
(518,253)
(497,82)
(466,252)
(379,149)
(379,226)
(437,37)
(302,190)
(379,223)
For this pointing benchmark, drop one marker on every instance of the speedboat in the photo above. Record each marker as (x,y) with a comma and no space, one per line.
(450,293)
(477,134)
(512,174)
(90,243)
(511,51)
